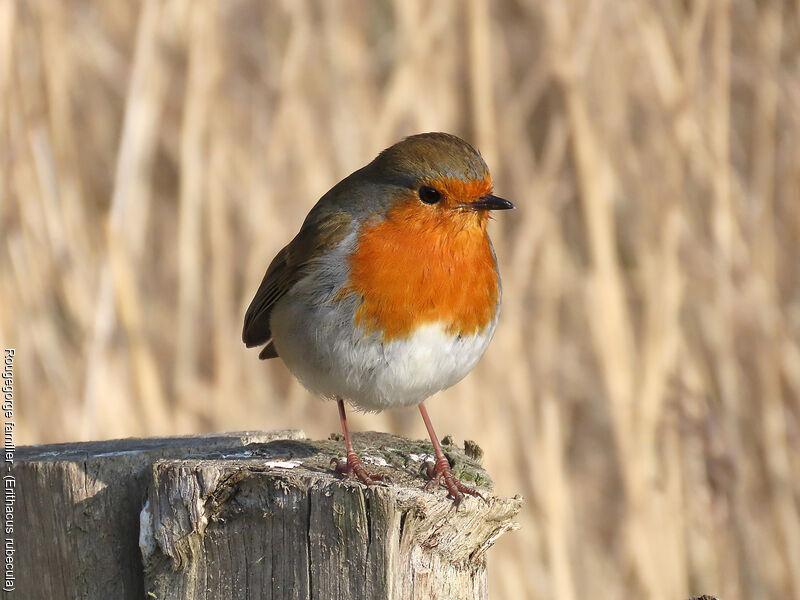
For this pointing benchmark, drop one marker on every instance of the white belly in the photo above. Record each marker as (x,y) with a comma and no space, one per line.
(331,357)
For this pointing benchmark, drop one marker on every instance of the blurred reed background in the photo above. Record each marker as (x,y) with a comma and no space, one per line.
(643,388)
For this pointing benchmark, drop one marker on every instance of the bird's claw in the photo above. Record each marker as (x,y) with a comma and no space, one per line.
(352,468)
(455,489)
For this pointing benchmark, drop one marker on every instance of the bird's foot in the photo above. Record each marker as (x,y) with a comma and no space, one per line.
(352,468)
(455,489)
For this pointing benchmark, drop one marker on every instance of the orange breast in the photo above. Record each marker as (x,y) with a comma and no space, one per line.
(421,266)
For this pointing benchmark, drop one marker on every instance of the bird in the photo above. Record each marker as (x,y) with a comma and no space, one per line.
(391,291)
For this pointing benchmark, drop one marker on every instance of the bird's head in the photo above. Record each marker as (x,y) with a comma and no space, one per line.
(437,179)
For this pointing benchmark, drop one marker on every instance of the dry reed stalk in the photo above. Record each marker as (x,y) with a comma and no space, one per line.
(609,318)
(482,79)
(194,159)
(130,200)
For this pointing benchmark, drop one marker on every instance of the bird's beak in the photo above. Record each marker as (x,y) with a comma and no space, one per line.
(487,202)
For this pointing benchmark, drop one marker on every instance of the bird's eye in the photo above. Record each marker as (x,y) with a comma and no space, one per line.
(429,195)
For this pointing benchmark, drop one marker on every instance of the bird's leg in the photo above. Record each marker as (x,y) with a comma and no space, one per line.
(352,467)
(441,468)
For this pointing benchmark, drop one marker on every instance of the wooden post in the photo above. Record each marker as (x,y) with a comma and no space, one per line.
(248,516)
(77,511)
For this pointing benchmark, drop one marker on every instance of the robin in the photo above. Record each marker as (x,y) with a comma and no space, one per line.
(390,292)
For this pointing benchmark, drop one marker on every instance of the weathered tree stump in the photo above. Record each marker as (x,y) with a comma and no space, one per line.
(248,516)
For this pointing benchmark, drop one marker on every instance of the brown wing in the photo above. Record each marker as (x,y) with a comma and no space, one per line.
(322,230)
